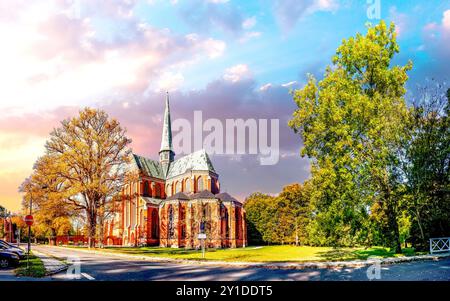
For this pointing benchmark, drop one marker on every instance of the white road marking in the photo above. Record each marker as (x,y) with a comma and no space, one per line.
(87,276)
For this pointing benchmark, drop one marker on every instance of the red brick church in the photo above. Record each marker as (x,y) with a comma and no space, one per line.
(174,201)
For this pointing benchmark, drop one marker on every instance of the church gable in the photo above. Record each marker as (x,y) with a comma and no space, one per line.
(148,167)
(198,160)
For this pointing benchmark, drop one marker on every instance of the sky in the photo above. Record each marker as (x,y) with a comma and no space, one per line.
(229,59)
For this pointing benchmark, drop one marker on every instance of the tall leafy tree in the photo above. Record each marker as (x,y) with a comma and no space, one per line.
(281,219)
(428,169)
(84,167)
(352,123)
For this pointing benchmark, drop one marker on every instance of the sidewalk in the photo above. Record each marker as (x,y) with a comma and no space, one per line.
(278,265)
(51,264)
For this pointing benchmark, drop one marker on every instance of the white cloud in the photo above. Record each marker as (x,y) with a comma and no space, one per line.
(217,1)
(289,84)
(265,87)
(250,35)
(288,12)
(446,20)
(326,4)
(249,23)
(49,59)
(169,81)
(237,73)
(214,48)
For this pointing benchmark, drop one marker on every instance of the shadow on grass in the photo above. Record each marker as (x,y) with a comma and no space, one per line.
(362,254)
(35,269)
(156,251)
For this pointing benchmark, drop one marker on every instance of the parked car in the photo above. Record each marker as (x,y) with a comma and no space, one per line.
(5,243)
(18,252)
(8,259)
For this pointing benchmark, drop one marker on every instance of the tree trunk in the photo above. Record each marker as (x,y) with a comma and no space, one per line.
(391,215)
(52,240)
(100,230)
(393,225)
(92,225)
(419,223)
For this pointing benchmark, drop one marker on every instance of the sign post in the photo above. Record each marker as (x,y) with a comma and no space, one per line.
(202,237)
(29,221)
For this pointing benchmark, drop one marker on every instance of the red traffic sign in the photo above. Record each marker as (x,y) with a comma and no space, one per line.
(29,220)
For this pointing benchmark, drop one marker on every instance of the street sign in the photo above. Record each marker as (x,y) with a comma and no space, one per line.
(202,236)
(29,220)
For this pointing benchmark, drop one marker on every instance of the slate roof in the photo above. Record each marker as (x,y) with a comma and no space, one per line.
(204,194)
(226,197)
(149,167)
(152,201)
(198,160)
(179,196)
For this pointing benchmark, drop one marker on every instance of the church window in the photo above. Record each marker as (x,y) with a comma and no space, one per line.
(224,221)
(169,189)
(205,224)
(183,222)
(187,185)
(158,190)
(238,223)
(200,186)
(154,224)
(171,223)
(178,187)
(146,189)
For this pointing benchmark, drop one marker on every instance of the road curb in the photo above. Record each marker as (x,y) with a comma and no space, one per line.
(279,265)
(43,256)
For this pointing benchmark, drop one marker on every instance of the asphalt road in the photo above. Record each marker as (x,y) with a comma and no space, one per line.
(110,267)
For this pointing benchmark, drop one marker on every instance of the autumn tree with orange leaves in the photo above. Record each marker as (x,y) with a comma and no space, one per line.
(85,165)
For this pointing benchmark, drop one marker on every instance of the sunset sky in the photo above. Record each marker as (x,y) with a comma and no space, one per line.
(230,59)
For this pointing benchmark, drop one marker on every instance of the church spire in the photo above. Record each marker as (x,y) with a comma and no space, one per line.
(166,154)
(166,139)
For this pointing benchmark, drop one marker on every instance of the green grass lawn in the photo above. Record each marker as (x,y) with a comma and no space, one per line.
(264,254)
(36,267)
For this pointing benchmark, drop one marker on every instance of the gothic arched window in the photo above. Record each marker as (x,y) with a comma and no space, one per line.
(169,190)
(187,185)
(225,229)
(183,221)
(200,186)
(178,187)
(146,189)
(171,222)
(158,190)
(154,224)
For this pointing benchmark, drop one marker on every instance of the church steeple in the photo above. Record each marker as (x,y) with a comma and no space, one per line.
(166,154)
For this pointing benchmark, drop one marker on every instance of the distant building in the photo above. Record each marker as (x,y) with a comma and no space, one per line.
(174,201)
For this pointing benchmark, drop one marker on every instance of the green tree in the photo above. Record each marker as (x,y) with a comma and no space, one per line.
(428,169)
(352,123)
(258,217)
(281,219)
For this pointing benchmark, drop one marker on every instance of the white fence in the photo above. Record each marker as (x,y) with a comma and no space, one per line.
(439,245)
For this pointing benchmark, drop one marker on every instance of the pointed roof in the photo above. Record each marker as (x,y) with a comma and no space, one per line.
(178,196)
(149,167)
(204,194)
(198,160)
(166,139)
(226,197)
